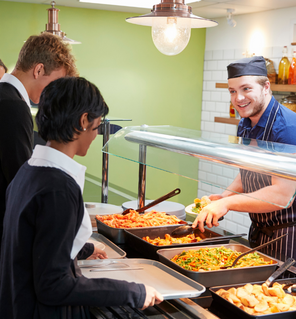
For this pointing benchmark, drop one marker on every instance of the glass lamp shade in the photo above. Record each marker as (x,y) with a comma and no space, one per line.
(171,23)
(171,34)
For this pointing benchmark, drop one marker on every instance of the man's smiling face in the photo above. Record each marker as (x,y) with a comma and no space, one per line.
(248,97)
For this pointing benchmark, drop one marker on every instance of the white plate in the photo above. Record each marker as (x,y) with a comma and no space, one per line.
(188,209)
(102,209)
(96,243)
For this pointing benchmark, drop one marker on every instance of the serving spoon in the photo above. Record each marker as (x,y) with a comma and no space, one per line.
(252,250)
(155,202)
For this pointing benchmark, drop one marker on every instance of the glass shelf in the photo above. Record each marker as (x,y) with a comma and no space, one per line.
(178,150)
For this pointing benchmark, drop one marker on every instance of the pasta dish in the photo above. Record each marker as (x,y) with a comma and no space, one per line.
(134,219)
(169,240)
(213,258)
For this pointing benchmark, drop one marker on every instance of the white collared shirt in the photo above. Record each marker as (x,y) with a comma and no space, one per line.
(11,79)
(49,157)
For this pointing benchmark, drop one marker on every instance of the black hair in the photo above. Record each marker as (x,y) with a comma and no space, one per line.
(62,104)
(4,66)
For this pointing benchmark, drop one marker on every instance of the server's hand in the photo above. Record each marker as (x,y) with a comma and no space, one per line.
(152,297)
(215,197)
(210,214)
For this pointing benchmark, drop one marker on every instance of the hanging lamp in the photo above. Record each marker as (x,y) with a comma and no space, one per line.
(171,23)
(54,27)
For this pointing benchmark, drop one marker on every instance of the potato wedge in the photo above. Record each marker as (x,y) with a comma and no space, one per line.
(249,301)
(247,309)
(261,306)
(276,291)
(248,288)
(220,291)
(288,300)
(282,307)
(241,292)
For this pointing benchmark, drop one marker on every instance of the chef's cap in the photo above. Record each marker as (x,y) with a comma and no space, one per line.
(247,66)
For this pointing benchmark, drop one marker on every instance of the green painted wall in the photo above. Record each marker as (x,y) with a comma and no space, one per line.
(136,80)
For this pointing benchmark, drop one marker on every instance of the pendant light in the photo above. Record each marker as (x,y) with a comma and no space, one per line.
(54,27)
(171,23)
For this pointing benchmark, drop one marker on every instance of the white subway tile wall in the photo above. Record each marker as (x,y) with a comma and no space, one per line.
(215,103)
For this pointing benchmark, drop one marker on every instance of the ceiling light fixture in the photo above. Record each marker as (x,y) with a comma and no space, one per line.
(171,23)
(54,27)
(229,18)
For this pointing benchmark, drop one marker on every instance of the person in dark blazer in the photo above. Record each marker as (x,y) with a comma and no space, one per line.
(46,224)
(42,59)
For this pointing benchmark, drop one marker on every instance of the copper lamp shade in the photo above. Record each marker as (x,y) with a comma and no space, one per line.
(54,27)
(172,8)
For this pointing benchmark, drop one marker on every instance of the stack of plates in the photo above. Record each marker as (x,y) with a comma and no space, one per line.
(171,208)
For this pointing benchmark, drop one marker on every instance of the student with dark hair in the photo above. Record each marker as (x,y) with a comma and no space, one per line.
(3,69)
(46,225)
(42,59)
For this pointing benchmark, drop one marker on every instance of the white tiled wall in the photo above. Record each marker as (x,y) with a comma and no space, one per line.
(215,103)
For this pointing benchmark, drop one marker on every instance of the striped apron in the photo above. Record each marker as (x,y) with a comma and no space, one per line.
(251,182)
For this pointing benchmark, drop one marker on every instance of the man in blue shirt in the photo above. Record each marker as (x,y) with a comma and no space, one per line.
(263,118)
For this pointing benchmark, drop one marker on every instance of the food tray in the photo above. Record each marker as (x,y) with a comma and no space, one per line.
(167,281)
(111,249)
(241,313)
(134,239)
(222,276)
(118,235)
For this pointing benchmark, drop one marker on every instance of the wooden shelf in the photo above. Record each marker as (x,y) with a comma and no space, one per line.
(221,85)
(274,87)
(226,120)
(283,87)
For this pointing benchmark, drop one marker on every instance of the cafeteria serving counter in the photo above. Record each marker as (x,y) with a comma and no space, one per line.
(202,307)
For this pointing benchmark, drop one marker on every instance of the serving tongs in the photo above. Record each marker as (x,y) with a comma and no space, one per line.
(155,202)
(286,265)
(185,230)
(252,250)
(221,238)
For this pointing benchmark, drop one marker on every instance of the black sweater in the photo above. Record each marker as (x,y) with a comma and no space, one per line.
(38,279)
(16,138)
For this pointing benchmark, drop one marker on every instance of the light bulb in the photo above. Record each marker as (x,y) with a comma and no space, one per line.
(171,34)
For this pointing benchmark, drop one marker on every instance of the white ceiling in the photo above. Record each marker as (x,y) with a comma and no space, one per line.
(204,8)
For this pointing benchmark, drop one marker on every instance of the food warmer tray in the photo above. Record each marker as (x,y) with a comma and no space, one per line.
(241,313)
(222,276)
(134,239)
(118,235)
(170,283)
(112,250)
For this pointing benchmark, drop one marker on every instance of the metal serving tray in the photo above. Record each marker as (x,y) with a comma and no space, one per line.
(118,235)
(111,249)
(241,313)
(167,281)
(222,276)
(134,239)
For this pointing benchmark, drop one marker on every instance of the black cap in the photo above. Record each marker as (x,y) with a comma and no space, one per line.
(247,66)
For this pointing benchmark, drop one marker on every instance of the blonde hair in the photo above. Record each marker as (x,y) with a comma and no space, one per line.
(262,81)
(48,49)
